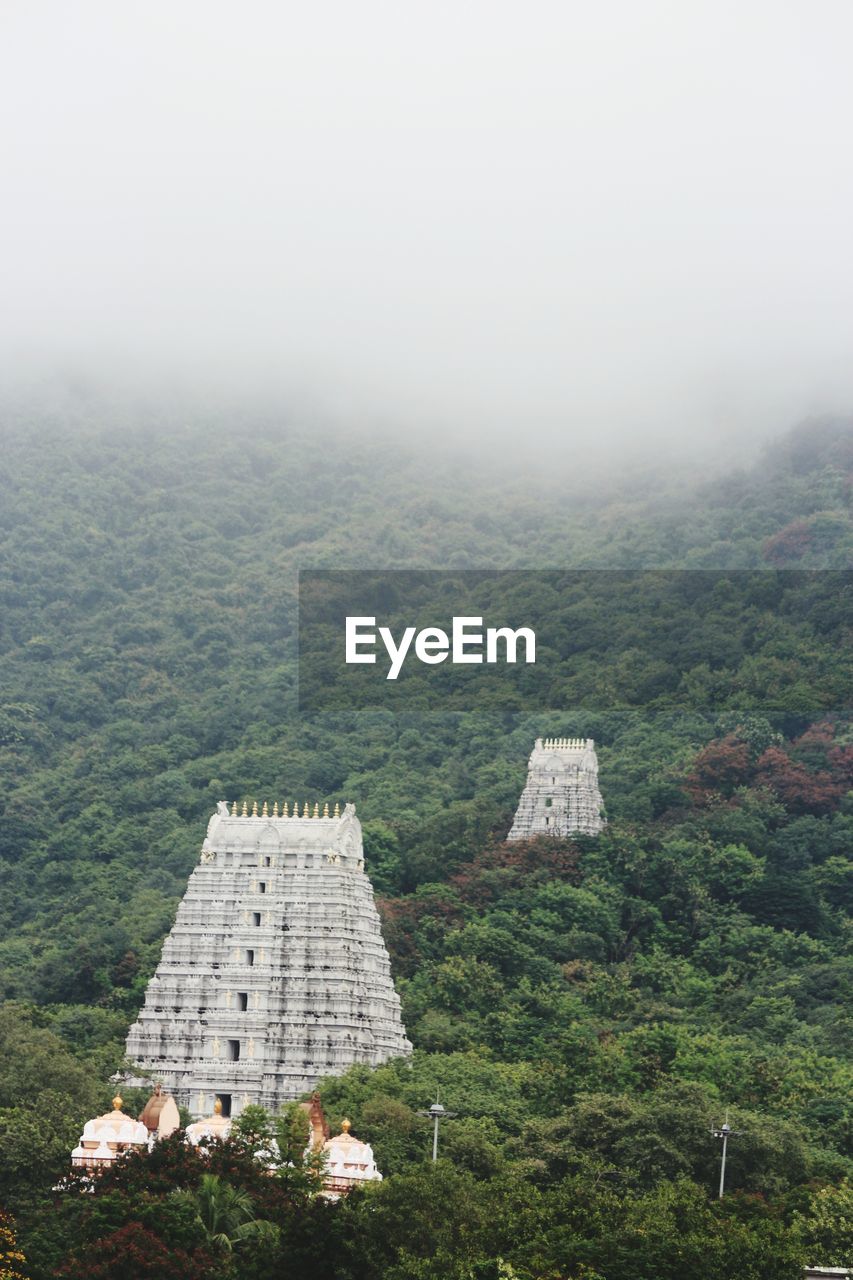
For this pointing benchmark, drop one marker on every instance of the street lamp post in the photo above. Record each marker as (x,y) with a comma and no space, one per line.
(725,1132)
(436,1113)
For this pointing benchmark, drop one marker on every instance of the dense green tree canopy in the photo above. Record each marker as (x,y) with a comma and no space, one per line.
(589,1008)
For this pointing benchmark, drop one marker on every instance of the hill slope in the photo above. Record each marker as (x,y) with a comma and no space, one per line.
(566,997)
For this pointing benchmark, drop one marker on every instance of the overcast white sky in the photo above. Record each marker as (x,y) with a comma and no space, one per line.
(598,220)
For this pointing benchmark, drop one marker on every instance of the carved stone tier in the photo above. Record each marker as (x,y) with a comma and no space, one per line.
(561,796)
(275,972)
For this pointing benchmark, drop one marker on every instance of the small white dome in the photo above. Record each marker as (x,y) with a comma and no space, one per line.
(107,1135)
(215,1126)
(350,1161)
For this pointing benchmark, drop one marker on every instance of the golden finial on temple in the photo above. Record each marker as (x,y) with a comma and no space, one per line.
(217,1107)
(306,811)
(284,810)
(235,809)
(345,1126)
(117,1101)
(316,812)
(265,813)
(326,809)
(245,812)
(254,808)
(275,809)
(337,812)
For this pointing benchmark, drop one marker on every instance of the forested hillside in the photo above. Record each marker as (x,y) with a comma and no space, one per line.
(588,1008)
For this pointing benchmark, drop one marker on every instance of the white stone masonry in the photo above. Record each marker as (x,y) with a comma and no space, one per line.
(275,972)
(561,795)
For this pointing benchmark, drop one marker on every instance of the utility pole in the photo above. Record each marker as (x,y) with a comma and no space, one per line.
(725,1132)
(436,1113)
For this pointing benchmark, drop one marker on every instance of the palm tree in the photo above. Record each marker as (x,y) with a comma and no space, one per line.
(227,1214)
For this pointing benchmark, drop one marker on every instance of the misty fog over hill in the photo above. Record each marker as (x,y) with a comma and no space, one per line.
(621,227)
(400,286)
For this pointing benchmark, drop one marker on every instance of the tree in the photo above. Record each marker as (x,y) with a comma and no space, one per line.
(436,1223)
(827,1225)
(227,1214)
(254,1127)
(721,766)
(11,1258)
(133,1251)
(800,789)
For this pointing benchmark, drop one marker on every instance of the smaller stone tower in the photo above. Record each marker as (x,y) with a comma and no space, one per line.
(561,795)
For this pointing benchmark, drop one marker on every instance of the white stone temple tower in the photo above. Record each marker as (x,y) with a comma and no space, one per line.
(275,972)
(561,795)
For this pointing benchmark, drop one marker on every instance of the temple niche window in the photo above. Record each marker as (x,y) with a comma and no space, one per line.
(232,1050)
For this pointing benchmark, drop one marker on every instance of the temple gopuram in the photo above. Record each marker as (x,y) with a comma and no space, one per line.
(275,972)
(561,795)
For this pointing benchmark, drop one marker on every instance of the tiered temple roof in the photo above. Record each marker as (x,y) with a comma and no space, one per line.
(107,1136)
(561,795)
(349,1163)
(275,972)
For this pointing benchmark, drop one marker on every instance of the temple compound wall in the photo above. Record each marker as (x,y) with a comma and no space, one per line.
(275,972)
(561,795)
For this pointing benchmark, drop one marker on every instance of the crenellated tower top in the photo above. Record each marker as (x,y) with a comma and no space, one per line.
(286,811)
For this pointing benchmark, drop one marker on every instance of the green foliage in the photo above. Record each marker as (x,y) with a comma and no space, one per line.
(827,1224)
(11,1258)
(254,1127)
(588,1008)
(46,1094)
(226,1215)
